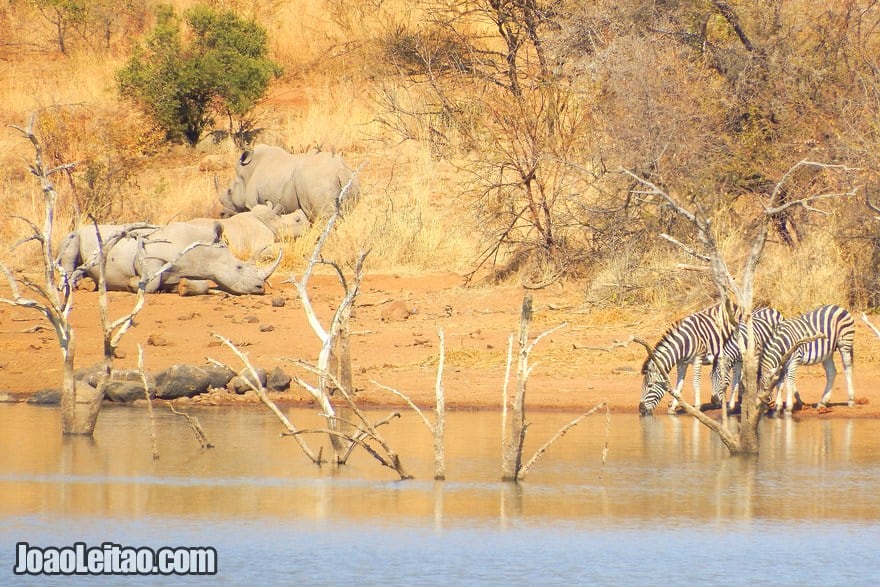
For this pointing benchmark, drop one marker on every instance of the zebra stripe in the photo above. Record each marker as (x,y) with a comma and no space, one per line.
(764,322)
(837,329)
(698,339)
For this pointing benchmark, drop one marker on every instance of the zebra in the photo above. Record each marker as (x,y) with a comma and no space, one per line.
(764,321)
(696,339)
(835,329)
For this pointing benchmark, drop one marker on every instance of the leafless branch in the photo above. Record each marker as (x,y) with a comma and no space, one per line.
(254,383)
(559,434)
(153,438)
(690,251)
(871,205)
(365,423)
(615,345)
(870,324)
(194,425)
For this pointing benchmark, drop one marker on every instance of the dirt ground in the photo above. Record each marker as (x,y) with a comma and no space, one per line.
(395,343)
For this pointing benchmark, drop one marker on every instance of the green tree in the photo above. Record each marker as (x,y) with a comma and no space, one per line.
(63,16)
(184,82)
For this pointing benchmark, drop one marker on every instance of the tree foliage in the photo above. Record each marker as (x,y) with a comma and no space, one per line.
(220,68)
(710,98)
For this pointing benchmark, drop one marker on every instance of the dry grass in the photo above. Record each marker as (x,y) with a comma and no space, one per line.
(399,218)
(411,215)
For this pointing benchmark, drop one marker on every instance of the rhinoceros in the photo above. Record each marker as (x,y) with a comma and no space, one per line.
(256,230)
(210,260)
(288,182)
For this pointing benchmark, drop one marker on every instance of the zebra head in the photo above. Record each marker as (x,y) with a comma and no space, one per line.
(655,381)
(770,375)
(720,374)
(655,384)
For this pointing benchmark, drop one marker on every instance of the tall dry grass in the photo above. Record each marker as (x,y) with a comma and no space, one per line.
(398,219)
(412,215)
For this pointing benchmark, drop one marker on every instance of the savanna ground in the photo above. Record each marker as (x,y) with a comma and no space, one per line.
(396,344)
(423,209)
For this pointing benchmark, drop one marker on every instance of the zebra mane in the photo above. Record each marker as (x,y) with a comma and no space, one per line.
(673,329)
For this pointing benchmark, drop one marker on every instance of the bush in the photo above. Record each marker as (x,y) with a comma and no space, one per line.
(184,85)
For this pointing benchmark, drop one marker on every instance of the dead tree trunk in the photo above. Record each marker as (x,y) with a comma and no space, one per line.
(511,461)
(514,434)
(334,339)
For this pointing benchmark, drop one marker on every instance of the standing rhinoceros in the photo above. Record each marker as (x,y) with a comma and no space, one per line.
(257,229)
(288,182)
(210,260)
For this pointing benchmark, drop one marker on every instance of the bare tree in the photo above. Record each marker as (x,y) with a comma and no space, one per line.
(80,403)
(513,435)
(438,428)
(333,358)
(362,431)
(740,289)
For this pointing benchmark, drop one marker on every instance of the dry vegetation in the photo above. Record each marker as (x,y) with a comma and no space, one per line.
(449,158)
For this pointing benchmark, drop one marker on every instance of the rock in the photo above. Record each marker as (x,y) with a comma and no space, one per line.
(88,374)
(396,311)
(181,381)
(239,383)
(278,302)
(278,380)
(220,376)
(125,385)
(87,284)
(157,339)
(124,391)
(45,397)
(266,328)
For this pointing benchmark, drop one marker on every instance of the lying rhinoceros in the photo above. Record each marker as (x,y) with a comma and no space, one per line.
(139,252)
(256,230)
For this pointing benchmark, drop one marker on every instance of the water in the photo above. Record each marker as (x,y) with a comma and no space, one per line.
(668,505)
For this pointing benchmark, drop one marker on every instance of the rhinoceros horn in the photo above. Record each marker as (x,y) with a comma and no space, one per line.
(271,268)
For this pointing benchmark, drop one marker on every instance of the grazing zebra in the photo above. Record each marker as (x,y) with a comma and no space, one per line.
(696,339)
(764,322)
(782,353)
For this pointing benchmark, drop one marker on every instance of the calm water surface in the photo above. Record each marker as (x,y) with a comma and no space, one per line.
(668,505)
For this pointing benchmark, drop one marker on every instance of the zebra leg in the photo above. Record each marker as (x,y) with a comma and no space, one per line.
(790,389)
(830,373)
(735,390)
(846,356)
(698,361)
(679,384)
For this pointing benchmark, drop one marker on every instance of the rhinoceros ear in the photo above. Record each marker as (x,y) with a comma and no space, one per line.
(218,233)
(246,157)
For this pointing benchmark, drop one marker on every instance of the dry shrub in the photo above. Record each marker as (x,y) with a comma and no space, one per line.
(797,279)
(402,231)
(632,278)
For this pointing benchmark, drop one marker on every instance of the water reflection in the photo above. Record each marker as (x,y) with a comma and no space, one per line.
(662,466)
(664,476)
